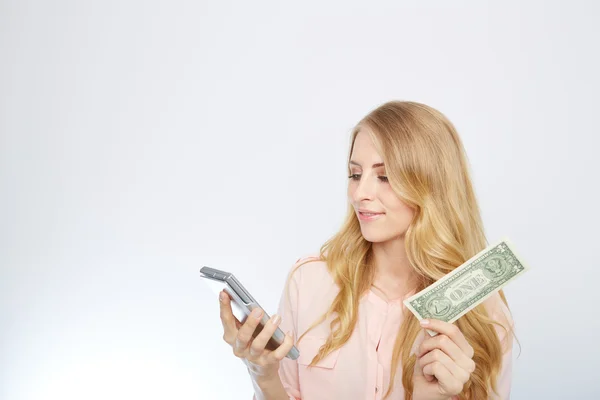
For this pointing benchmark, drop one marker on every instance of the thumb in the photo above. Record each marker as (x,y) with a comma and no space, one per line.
(415,351)
(418,370)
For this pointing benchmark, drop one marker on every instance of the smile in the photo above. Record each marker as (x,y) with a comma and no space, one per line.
(368,216)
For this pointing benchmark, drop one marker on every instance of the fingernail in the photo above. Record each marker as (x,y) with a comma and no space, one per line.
(424,322)
(276,320)
(257,313)
(221,297)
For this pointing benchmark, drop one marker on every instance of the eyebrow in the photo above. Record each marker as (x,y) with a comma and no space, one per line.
(377,165)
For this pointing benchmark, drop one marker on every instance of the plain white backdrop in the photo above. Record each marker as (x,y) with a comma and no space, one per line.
(141,140)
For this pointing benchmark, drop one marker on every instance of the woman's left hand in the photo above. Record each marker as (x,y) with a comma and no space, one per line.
(444,362)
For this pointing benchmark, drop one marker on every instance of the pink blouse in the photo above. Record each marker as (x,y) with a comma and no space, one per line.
(361,368)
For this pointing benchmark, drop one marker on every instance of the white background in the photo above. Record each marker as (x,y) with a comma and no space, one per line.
(140,140)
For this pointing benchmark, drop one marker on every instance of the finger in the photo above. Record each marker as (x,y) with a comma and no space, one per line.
(437,355)
(446,345)
(448,383)
(279,353)
(419,371)
(451,331)
(244,334)
(228,320)
(260,341)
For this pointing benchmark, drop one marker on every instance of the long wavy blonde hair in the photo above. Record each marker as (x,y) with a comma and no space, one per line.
(427,168)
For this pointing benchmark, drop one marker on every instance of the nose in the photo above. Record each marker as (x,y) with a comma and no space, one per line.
(365,189)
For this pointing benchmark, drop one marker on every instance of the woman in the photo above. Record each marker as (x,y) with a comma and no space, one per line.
(412,219)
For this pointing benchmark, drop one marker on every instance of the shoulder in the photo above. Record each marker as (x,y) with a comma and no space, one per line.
(498,310)
(310,279)
(313,289)
(310,268)
(499,313)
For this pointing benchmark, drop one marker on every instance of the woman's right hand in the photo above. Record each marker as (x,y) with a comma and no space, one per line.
(262,363)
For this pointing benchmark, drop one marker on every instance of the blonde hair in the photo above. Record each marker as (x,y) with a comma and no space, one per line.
(427,168)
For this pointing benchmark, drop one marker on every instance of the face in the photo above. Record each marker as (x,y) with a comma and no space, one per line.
(381,213)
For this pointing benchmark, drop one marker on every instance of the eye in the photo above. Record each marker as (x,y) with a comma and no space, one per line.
(354,177)
(383,178)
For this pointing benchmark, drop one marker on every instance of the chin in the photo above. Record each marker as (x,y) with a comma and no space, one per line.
(375,237)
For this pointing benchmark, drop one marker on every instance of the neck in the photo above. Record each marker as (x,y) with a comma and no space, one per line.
(392,268)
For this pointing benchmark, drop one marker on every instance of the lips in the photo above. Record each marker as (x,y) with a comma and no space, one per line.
(368,212)
(368,215)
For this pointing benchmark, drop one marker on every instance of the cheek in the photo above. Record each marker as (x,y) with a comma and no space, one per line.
(401,213)
(351,190)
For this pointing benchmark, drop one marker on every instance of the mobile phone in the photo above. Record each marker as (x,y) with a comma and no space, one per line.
(242,304)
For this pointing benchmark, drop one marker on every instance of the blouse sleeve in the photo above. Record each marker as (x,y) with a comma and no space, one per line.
(287,310)
(499,312)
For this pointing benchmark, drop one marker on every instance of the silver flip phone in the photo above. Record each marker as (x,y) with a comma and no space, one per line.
(243,303)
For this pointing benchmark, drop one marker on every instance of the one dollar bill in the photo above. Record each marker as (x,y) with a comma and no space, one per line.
(469,285)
